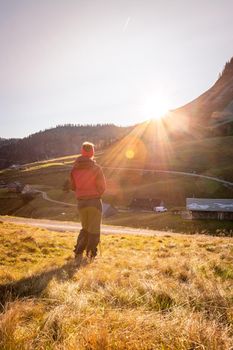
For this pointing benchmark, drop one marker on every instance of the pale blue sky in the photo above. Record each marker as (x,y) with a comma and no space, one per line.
(99,61)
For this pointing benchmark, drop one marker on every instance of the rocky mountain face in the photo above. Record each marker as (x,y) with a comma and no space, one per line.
(59,141)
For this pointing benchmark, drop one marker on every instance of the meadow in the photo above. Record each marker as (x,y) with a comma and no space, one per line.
(124,185)
(173,292)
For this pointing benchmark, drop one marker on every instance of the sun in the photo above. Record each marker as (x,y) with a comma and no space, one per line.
(155,107)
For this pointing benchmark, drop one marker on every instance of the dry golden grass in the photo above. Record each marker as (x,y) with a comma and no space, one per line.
(165,293)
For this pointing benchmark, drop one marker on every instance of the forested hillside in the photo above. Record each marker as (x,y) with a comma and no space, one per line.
(59,141)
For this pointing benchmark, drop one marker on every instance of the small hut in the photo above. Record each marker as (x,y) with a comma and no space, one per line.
(15,187)
(204,208)
(145,203)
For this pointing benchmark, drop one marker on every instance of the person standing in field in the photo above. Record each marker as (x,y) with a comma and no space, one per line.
(88,182)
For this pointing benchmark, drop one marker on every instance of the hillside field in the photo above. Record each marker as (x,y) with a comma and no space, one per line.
(170,293)
(206,156)
(124,185)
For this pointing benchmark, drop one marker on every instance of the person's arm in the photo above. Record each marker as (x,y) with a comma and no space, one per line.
(100,181)
(72,182)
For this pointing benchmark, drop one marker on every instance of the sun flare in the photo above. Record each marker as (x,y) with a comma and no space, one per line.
(129,154)
(155,107)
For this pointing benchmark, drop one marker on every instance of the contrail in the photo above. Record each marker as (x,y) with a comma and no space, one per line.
(126,24)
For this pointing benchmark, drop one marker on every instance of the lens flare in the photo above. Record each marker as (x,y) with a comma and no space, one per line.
(129,154)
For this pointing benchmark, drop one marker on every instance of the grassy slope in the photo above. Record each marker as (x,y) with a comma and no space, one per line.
(208,156)
(211,156)
(174,223)
(142,293)
(39,208)
(122,187)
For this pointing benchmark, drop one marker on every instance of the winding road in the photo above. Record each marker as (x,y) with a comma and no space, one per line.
(106,229)
(228,183)
(176,173)
(71,226)
(47,198)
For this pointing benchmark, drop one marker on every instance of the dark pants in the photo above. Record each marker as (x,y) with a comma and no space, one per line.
(90,213)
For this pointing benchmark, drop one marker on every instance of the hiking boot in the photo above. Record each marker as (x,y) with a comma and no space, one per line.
(90,257)
(78,259)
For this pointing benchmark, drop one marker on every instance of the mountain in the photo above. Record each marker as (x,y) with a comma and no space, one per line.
(150,146)
(4,141)
(211,113)
(197,137)
(59,141)
(162,143)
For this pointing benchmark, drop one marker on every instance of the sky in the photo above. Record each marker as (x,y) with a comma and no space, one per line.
(106,61)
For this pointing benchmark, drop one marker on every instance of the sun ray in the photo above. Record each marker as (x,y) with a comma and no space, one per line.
(155,107)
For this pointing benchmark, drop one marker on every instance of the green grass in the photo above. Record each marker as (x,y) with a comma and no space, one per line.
(40,208)
(53,161)
(9,202)
(172,189)
(170,222)
(172,293)
(203,155)
(122,186)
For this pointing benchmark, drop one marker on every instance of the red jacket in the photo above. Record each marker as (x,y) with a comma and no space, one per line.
(87,179)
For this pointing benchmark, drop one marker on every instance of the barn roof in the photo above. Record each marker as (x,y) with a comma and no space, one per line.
(206,204)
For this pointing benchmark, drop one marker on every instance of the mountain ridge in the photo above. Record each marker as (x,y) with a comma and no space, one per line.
(213,108)
(209,115)
(58,141)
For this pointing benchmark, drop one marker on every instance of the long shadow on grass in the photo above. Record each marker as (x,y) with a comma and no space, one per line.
(34,285)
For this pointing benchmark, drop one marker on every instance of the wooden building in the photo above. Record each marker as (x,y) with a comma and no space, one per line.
(205,208)
(15,187)
(145,203)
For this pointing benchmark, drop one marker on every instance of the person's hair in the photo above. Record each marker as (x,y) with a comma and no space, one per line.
(87,146)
